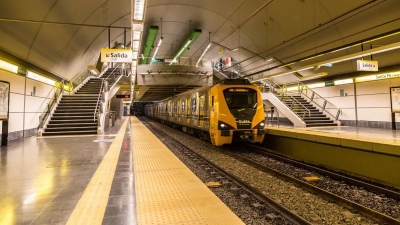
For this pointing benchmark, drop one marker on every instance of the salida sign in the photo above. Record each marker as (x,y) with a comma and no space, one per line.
(116,55)
(367,65)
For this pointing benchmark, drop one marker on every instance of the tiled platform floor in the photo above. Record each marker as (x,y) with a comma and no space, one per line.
(42,179)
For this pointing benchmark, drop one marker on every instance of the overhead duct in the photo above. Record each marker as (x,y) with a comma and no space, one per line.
(186,43)
(149,44)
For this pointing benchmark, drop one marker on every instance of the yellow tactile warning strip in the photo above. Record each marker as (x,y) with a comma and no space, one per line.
(167,192)
(92,205)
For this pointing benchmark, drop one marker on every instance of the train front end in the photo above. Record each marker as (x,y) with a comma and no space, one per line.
(237,113)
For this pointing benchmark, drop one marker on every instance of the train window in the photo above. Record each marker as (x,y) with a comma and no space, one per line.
(175,106)
(240,97)
(194,105)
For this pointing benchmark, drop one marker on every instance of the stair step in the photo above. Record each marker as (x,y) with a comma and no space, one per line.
(321,124)
(73,117)
(316,118)
(63,133)
(319,121)
(77,97)
(55,122)
(54,129)
(71,125)
(57,114)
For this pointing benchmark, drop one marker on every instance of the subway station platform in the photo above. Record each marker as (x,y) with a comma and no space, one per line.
(370,153)
(126,176)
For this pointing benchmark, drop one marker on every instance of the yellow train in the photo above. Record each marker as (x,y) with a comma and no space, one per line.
(224,113)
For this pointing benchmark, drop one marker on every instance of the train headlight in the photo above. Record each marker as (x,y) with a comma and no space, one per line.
(224,126)
(260,125)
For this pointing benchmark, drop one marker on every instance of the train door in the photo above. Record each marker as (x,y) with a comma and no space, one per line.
(194,121)
(175,111)
(201,110)
(188,111)
(213,124)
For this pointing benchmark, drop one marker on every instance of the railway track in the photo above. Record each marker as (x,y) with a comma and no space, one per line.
(317,212)
(350,204)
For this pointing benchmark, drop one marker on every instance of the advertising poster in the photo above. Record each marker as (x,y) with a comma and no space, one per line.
(4,98)
(395,99)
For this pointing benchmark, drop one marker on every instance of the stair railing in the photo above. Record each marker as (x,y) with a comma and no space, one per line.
(281,93)
(98,100)
(58,90)
(333,111)
(78,79)
(114,79)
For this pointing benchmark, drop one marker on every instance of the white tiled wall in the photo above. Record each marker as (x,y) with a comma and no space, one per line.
(25,109)
(372,99)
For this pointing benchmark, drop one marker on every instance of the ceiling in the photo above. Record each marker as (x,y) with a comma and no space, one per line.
(65,36)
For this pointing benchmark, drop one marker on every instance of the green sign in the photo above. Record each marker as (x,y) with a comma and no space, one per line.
(329,83)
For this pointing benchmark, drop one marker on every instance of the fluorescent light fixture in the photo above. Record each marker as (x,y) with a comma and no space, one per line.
(357,55)
(345,81)
(138,10)
(204,52)
(8,66)
(316,85)
(181,51)
(35,76)
(292,88)
(155,51)
(377,50)
(135,55)
(136,35)
(135,46)
(313,76)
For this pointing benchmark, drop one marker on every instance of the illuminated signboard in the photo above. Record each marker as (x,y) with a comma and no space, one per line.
(116,55)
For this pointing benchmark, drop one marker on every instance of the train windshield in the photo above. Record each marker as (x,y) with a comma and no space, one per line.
(241,98)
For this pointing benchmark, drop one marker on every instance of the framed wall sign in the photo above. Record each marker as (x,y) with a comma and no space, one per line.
(395,99)
(4,99)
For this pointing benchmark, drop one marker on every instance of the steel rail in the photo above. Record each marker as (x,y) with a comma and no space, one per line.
(368,186)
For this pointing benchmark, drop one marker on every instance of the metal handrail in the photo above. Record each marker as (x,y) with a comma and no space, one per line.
(112,73)
(79,78)
(51,104)
(98,100)
(302,87)
(274,85)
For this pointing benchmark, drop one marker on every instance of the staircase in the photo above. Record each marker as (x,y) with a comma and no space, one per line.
(75,113)
(300,105)
(313,117)
(110,75)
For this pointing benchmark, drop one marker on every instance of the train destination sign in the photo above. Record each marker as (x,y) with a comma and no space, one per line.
(116,55)
(238,90)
